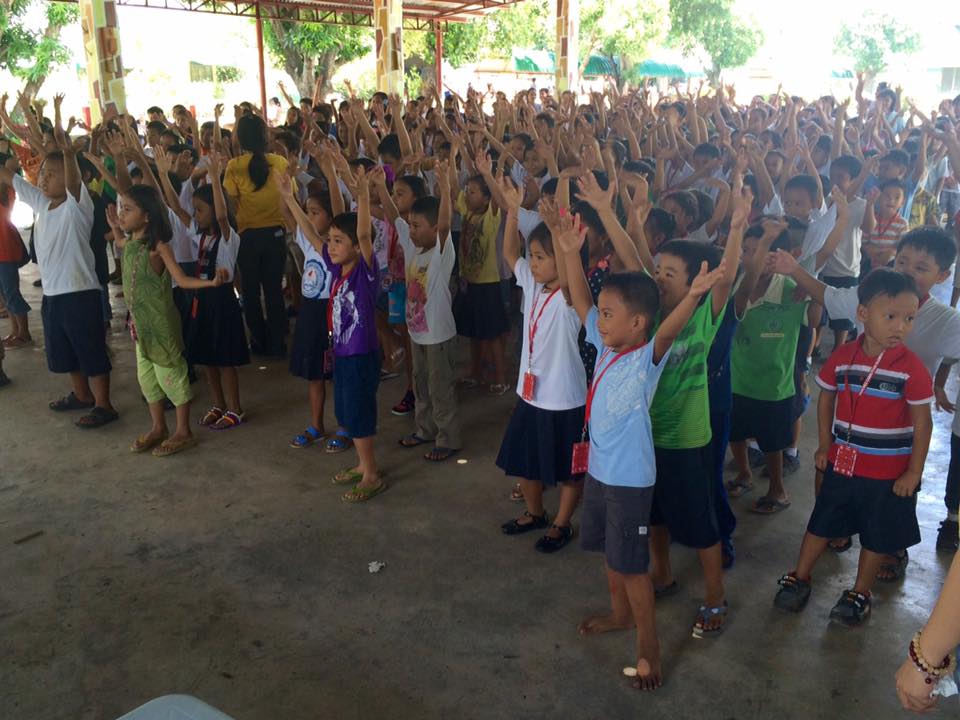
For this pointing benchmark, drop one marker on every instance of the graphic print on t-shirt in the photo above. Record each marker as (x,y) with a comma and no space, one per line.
(346,317)
(315,278)
(417,301)
(471,238)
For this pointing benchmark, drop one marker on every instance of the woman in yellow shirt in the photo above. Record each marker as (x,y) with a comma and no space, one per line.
(263,247)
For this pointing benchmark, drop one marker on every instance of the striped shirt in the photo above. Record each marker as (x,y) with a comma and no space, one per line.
(887,232)
(878,424)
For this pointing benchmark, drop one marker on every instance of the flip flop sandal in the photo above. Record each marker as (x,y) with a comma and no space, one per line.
(738,488)
(359,494)
(70,402)
(662,591)
(469,383)
(307,438)
(15,343)
(439,454)
(412,441)
(339,443)
(516,494)
(895,571)
(707,613)
(842,547)
(96,418)
(498,389)
(145,442)
(769,506)
(229,420)
(167,448)
(211,416)
(347,476)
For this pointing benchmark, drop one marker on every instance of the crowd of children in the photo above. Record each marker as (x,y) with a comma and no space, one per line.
(659,268)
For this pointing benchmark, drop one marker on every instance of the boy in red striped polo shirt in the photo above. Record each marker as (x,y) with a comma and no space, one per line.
(875,424)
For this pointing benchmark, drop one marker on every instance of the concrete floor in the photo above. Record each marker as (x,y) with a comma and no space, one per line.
(234,573)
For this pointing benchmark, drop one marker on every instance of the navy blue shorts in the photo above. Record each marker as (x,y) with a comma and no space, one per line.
(355,393)
(684,498)
(770,422)
(885,522)
(73,333)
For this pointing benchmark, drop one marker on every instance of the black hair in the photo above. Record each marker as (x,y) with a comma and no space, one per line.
(204,194)
(289,139)
(480,183)
(620,153)
(208,125)
(525,140)
(849,164)
(87,167)
(252,136)
(274,101)
(687,202)
(347,224)
(550,187)
(778,153)
(705,206)
(888,93)
(776,139)
(589,217)
(149,201)
(365,163)
(180,148)
(416,184)
(897,157)
(321,196)
(541,234)
(663,222)
(691,252)
(638,291)
(427,207)
(824,143)
(891,182)
(805,183)
(603,180)
(934,241)
(640,167)
(390,145)
(885,281)
(790,238)
(154,109)
(707,150)
(157,126)
(547,120)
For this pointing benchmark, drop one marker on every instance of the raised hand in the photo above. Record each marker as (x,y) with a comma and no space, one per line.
(513,196)
(162,160)
(598,198)
(284,184)
(571,232)
(706,279)
(742,204)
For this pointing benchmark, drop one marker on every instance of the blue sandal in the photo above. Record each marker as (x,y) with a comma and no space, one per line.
(704,614)
(339,442)
(307,438)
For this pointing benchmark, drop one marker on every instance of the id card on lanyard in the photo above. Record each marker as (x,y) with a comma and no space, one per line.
(529,378)
(581,450)
(845,461)
(201,274)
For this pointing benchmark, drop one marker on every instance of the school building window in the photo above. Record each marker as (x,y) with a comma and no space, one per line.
(950,80)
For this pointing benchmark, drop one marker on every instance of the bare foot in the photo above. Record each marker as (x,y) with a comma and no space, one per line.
(604,623)
(648,675)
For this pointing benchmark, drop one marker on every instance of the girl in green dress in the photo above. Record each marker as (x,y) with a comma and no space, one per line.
(141,226)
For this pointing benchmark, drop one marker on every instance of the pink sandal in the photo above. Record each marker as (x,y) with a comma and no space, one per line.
(229,420)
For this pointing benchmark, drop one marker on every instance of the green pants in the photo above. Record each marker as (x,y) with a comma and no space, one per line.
(157,382)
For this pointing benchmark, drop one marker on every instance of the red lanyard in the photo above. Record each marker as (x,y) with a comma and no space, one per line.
(535,321)
(597,377)
(333,295)
(881,230)
(863,388)
(201,255)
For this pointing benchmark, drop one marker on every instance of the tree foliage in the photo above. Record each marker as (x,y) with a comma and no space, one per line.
(711,25)
(621,30)
(871,42)
(29,53)
(311,51)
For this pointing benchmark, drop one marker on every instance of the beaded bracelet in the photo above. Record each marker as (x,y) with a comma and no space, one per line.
(930,672)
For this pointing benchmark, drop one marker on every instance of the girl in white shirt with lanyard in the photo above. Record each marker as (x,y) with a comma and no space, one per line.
(548,418)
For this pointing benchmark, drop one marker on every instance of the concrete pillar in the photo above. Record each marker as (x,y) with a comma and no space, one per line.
(388,21)
(101,43)
(567,51)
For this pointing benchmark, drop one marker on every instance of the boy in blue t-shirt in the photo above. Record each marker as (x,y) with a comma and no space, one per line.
(618,492)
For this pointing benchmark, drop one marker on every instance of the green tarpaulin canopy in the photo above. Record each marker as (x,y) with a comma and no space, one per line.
(542,61)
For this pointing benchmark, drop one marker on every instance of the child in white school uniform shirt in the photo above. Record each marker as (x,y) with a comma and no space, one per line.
(430,254)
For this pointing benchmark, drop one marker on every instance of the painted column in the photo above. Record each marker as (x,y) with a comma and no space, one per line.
(567,50)
(438,55)
(101,44)
(388,21)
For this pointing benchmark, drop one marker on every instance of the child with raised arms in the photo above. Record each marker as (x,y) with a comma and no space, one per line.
(548,418)
(620,458)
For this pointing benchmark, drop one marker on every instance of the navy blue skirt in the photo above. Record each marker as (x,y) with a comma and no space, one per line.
(310,341)
(538,444)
